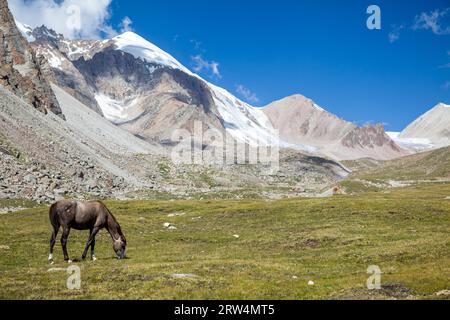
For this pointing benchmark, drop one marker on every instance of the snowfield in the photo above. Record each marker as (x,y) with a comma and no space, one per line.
(25,30)
(114,110)
(137,46)
(416,144)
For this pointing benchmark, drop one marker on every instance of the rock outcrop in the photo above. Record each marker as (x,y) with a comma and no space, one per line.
(369,136)
(20,69)
(61,55)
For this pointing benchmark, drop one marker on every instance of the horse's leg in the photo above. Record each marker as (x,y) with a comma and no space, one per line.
(93,257)
(52,242)
(90,241)
(64,237)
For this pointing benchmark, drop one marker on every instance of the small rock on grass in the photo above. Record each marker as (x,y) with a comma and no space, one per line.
(169,226)
(56,270)
(183,276)
(443,293)
(3,247)
(311,283)
(176,214)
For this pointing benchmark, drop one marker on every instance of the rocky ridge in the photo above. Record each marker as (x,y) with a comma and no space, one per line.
(301,120)
(20,69)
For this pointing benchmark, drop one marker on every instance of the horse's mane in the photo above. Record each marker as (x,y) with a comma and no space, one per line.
(114,219)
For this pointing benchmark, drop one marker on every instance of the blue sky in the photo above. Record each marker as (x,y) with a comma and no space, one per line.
(266,50)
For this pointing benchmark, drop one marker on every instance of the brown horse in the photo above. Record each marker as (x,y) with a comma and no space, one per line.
(92,216)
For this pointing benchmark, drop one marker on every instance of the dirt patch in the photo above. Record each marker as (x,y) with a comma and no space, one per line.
(396,290)
(312,243)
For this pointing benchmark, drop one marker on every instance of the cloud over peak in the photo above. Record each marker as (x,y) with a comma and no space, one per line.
(247,94)
(201,64)
(73,18)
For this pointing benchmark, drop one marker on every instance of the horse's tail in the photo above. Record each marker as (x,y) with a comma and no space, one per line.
(53,216)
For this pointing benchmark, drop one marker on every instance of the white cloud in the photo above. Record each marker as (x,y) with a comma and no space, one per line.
(201,64)
(197,44)
(73,18)
(394,35)
(126,25)
(433,21)
(247,94)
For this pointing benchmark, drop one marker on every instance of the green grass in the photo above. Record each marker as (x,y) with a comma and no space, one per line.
(430,165)
(17,203)
(330,241)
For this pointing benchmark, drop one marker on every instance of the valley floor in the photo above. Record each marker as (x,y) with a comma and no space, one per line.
(223,249)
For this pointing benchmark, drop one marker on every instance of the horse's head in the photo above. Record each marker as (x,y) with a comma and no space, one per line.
(119,246)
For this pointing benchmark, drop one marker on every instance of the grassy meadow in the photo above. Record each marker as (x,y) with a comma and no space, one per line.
(248,249)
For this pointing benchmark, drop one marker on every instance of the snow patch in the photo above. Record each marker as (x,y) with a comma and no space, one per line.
(26,31)
(417,144)
(54,61)
(319,107)
(115,110)
(74,49)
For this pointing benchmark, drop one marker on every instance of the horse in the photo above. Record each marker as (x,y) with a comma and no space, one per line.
(92,216)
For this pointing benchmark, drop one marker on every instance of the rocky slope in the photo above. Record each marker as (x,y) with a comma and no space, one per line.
(20,70)
(44,158)
(301,121)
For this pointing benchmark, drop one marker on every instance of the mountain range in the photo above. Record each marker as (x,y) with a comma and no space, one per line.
(146,91)
(119,101)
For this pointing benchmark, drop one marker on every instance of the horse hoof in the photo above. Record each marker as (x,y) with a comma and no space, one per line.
(94,259)
(52,262)
(69,261)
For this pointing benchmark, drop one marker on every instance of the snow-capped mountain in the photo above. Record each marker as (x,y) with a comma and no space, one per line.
(432,128)
(301,120)
(146,91)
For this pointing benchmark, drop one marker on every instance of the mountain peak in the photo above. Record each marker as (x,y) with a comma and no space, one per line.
(139,47)
(128,34)
(442,105)
(43,33)
(296,101)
